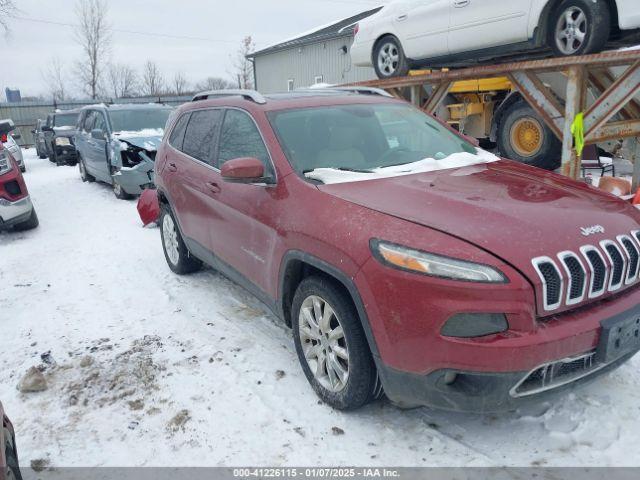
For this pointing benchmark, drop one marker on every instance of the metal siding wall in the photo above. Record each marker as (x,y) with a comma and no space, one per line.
(25,114)
(303,64)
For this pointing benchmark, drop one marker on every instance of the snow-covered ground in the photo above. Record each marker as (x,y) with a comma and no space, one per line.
(193,371)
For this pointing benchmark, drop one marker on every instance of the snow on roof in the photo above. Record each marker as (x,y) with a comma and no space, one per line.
(323,32)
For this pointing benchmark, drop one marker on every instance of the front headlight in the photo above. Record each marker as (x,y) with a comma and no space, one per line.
(63,141)
(5,163)
(434,265)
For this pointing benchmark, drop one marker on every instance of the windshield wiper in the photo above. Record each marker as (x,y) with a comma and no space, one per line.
(342,169)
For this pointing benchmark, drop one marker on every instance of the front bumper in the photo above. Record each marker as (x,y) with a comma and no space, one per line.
(12,213)
(476,392)
(66,153)
(134,180)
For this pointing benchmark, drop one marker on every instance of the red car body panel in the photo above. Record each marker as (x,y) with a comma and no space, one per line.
(13,175)
(501,214)
(148,207)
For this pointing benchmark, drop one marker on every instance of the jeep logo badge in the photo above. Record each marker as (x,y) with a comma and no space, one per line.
(586,231)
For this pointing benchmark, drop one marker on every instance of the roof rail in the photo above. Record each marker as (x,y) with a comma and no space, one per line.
(252,95)
(364,90)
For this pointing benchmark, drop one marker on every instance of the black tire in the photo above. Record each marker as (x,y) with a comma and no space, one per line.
(596,28)
(84,175)
(393,69)
(29,224)
(361,385)
(118,191)
(13,470)
(41,155)
(546,154)
(185,263)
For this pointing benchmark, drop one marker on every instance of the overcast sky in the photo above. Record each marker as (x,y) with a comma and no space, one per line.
(216,28)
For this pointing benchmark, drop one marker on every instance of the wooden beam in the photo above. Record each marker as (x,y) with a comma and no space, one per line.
(615,131)
(437,96)
(540,99)
(575,99)
(614,99)
(601,80)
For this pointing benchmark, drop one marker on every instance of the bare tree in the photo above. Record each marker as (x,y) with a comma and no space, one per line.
(7,10)
(94,35)
(243,66)
(152,80)
(55,77)
(214,83)
(180,84)
(122,80)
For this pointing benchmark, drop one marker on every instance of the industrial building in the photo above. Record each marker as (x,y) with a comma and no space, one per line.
(320,56)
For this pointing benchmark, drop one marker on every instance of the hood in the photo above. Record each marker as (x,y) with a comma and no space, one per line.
(513,211)
(147,140)
(65,131)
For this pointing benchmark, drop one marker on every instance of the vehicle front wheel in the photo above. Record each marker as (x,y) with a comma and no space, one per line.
(389,59)
(176,253)
(84,175)
(524,137)
(331,344)
(579,27)
(12,471)
(118,191)
(29,224)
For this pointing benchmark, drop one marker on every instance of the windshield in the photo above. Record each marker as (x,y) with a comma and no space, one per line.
(65,120)
(362,138)
(139,119)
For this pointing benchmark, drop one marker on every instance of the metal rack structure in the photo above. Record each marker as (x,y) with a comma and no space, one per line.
(613,78)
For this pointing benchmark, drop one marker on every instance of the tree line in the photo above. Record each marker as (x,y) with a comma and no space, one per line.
(98,76)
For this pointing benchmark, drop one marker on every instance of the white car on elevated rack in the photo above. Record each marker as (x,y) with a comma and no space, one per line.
(437,33)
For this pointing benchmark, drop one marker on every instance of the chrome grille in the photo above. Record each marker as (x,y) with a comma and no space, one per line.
(617,263)
(633,257)
(598,269)
(591,272)
(577,276)
(555,374)
(551,282)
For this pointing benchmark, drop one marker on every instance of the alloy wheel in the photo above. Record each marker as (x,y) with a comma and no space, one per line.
(170,239)
(388,59)
(571,30)
(324,343)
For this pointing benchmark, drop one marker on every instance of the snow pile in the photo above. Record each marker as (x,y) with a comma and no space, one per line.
(457,160)
(147,368)
(146,132)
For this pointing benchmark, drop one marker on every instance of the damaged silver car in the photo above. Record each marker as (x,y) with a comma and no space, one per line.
(117,145)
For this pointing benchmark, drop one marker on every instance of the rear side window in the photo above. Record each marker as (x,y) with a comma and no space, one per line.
(100,123)
(89,121)
(200,136)
(177,135)
(240,138)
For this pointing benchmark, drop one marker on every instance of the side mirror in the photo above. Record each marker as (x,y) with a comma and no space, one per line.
(46,128)
(244,170)
(16,136)
(97,134)
(33,131)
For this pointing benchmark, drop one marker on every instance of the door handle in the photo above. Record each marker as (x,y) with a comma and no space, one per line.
(402,18)
(213,187)
(172,167)
(461,3)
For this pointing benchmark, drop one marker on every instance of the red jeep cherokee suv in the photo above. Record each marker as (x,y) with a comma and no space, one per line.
(405,259)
